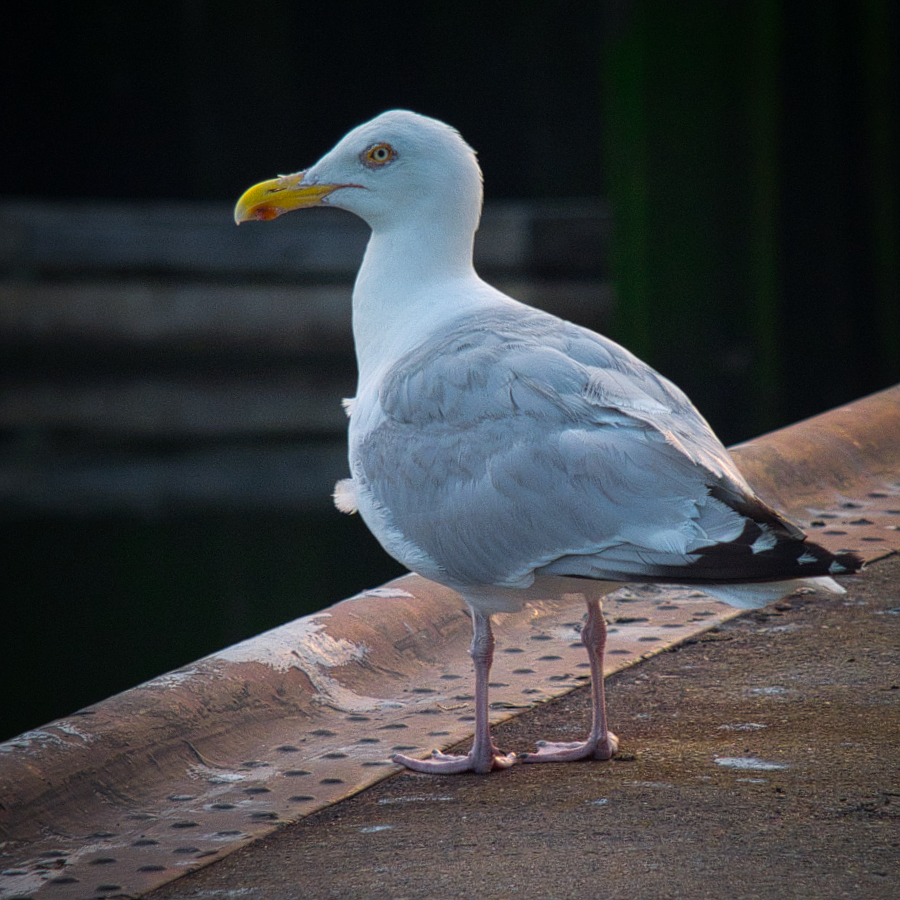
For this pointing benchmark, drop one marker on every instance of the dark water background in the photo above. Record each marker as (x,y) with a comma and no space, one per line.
(749,153)
(97,605)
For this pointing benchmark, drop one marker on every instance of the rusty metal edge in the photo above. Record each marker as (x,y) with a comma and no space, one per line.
(153,732)
(815,460)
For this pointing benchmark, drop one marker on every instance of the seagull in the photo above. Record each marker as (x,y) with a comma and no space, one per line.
(508,454)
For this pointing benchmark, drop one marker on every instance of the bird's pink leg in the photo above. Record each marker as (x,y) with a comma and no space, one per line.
(483,756)
(600,744)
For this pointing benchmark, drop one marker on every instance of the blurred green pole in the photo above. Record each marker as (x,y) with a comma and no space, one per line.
(764,30)
(626,149)
(883,153)
(676,165)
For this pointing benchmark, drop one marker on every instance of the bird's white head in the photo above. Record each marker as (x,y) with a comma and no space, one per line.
(399,168)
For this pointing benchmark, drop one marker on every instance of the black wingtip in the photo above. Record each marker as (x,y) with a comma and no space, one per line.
(846,563)
(790,553)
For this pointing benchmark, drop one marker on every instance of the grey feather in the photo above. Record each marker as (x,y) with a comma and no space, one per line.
(529,443)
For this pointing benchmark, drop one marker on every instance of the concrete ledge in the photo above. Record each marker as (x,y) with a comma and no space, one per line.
(199,761)
(760,763)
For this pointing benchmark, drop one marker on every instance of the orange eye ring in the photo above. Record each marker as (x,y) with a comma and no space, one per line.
(379,155)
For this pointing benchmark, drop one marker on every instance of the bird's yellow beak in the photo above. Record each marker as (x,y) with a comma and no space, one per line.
(269,199)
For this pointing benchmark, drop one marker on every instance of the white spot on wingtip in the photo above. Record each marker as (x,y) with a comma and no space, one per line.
(766,541)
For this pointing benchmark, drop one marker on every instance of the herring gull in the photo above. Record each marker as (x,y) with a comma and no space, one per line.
(511,455)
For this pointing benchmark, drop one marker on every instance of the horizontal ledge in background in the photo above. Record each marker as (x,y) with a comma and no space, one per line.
(45,239)
(174,773)
(204,321)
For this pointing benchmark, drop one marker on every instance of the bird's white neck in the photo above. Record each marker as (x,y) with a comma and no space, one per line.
(412,279)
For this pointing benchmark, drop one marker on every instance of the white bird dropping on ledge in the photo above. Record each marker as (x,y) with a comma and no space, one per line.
(506,453)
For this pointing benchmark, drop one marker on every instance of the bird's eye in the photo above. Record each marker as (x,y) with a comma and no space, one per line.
(379,155)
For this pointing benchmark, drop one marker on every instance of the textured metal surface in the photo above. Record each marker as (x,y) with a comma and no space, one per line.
(762,764)
(837,474)
(164,778)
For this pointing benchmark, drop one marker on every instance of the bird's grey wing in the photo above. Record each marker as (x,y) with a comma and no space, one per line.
(517,443)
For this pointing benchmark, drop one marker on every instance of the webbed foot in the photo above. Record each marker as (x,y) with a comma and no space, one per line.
(568,751)
(447,764)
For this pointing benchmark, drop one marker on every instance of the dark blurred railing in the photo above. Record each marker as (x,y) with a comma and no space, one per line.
(136,326)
